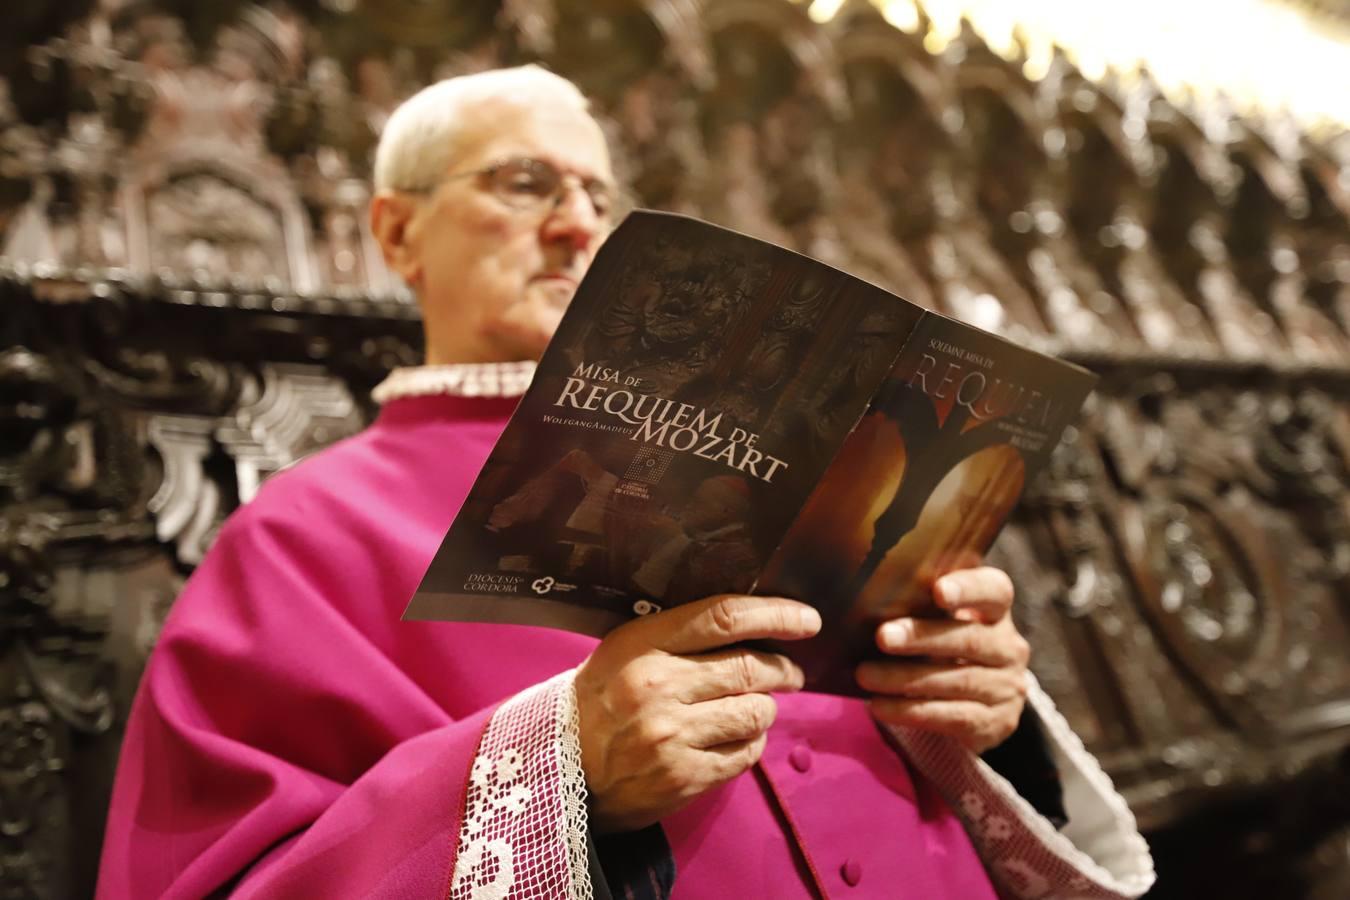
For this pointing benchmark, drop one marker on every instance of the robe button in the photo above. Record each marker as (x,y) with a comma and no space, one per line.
(852,872)
(800,758)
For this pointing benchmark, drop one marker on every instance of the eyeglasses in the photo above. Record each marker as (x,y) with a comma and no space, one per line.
(535,185)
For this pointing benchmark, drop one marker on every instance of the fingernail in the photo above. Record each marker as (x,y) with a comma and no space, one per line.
(897,632)
(951,591)
(810,619)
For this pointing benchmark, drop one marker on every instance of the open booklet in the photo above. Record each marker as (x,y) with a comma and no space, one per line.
(716,414)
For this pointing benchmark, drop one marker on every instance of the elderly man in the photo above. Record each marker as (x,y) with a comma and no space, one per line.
(293,738)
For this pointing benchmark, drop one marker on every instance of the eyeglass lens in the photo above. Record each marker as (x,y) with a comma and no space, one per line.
(533,183)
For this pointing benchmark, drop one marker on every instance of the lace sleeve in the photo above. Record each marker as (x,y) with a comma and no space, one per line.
(524,826)
(1099,854)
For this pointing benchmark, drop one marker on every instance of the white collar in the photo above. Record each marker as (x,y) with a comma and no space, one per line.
(500,379)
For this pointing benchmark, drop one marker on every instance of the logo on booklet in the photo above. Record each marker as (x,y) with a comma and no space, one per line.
(649,465)
(548,583)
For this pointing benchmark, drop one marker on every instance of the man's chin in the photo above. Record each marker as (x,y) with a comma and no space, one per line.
(554,293)
(526,340)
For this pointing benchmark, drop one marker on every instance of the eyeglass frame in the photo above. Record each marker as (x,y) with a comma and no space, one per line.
(616,197)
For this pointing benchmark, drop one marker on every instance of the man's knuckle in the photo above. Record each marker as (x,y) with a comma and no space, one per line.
(965,682)
(727,768)
(753,751)
(920,682)
(744,722)
(733,764)
(636,685)
(670,781)
(645,680)
(775,670)
(626,692)
(654,731)
(743,719)
(918,634)
(743,671)
(976,737)
(725,615)
(1006,652)
(763,711)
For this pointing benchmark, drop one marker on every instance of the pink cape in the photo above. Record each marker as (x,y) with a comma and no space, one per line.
(292,737)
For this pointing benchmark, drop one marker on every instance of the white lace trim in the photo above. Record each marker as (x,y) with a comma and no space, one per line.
(504,379)
(574,792)
(1100,822)
(1100,854)
(524,830)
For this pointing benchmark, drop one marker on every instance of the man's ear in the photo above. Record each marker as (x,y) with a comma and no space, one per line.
(391,221)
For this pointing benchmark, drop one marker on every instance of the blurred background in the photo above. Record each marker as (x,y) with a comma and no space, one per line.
(190,299)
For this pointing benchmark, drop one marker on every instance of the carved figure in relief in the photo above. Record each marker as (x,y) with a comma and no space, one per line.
(1196,178)
(659,123)
(1258,238)
(978,285)
(881,152)
(1015,191)
(1111,186)
(205,224)
(1322,238)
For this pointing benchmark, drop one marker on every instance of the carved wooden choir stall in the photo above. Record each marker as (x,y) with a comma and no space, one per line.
(190,300)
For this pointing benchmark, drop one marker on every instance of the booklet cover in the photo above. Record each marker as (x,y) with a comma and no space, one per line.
(716,414)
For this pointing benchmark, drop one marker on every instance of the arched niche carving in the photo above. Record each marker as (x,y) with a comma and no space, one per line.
(976,283)
(425,28)
(885,152)
(604,45)
(1105,168)
(764,122)
(1322,237)
(1015,149)
(201,192)
(219,220)
(1198,184)
(1000,139)
(1109,188)
(1114,194)
(1259,234)
(642,63)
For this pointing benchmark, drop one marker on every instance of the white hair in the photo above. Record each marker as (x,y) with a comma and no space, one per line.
(421,137)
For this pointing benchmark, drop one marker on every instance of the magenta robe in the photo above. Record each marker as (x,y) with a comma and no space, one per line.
(292,737)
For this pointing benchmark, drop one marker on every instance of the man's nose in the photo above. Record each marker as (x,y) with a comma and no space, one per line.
(574,219)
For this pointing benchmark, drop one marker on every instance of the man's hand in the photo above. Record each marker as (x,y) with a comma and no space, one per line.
(964,676)
(668,709)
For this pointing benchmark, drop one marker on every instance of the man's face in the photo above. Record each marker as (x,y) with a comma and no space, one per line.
(494,279)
